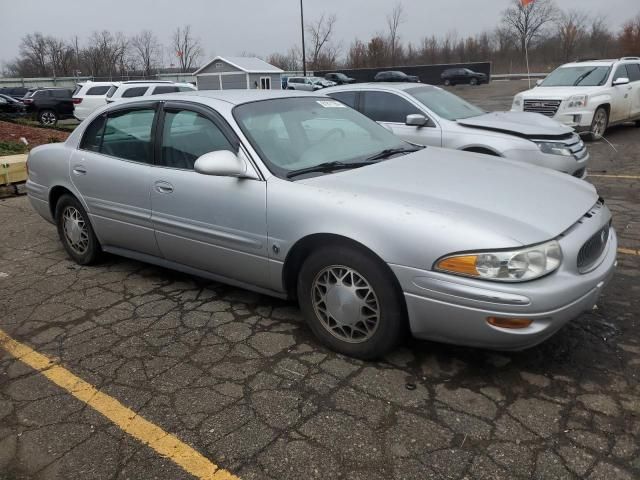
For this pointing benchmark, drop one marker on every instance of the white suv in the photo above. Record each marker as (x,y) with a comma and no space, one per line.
(90,95)
(141,88)
(589,96)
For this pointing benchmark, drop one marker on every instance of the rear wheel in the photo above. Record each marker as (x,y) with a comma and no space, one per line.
(599,124)
(351,302)
(76,232)
(447,82)
(48,118)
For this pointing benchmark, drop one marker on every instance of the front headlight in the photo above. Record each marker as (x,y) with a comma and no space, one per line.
(517,101)
(577,101)
(505,266)
(554,148)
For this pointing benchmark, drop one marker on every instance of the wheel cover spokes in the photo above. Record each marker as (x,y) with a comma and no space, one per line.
(345,303)
(599,124)
(75,230)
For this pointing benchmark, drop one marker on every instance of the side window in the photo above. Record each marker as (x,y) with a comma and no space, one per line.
(92,138)
(387,107)
(633,69)
(187,135)
(98,90)
(127,135)
(61,93)
(348,98)
(621,72)
(185,89)
(134,92)
(164,89)
(111,91)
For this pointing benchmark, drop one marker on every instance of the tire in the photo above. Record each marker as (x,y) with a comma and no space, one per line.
(47,118)
(638,123)
(599,124)
(447,82)
(81,242)
(473,81)
(376,295)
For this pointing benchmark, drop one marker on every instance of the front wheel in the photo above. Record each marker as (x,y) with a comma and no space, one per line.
(351,302)
(599,124)
(48,118)
(76,232)
(473,81)
(447,82)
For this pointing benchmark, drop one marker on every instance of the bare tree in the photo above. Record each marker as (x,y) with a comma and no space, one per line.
(630,37)
(571,30)
(146,51)
(394,19)
(106,54)
(35,52)
(322,52)
(186,47)
(527,22)
(290,61)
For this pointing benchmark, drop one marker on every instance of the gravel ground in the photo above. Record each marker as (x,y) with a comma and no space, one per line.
(239,377)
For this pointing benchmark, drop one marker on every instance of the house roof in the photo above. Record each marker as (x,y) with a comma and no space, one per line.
(246,64)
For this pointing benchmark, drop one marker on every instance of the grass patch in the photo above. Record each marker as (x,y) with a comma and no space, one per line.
(34,123)
(12,148)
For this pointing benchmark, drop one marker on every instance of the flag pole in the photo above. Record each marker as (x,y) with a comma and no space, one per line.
(526,56)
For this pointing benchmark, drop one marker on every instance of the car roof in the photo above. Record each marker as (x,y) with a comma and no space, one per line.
(379,86)
(234,97)
(590,63)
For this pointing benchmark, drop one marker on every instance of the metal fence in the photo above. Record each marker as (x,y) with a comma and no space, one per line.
(73,81)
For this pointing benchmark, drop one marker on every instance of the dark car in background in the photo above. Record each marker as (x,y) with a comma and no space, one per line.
(48,105)
(455,76)
(10,107)
(395,76)
(339,78)
(15,92)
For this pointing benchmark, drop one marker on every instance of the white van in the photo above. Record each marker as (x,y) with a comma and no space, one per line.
(89,96)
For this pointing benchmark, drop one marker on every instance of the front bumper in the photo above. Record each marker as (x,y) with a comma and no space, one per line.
(453,309)
(576,167)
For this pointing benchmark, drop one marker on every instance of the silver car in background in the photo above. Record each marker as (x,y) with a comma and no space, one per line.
(429,115)
(298,196)
(308,84)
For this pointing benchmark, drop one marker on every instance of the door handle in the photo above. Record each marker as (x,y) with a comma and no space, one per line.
(79,170)
(163,187)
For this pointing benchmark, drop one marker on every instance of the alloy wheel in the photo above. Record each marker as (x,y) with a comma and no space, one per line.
(345,303)
(75,230)
(599,124)
(48,118)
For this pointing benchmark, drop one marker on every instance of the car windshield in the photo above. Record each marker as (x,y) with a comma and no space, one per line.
(582,76)
(445,104)
(295,133)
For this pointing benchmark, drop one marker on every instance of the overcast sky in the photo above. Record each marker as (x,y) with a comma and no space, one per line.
(234,26)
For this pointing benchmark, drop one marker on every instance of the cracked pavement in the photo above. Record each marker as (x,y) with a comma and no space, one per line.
(239,377)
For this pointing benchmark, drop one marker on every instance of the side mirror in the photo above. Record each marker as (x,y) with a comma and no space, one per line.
(620,81)
(222,163)
(416,120)
(538,82)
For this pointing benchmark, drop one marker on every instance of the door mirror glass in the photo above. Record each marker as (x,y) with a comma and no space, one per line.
(538,82)
(621,81)
(416,120)
(221,163)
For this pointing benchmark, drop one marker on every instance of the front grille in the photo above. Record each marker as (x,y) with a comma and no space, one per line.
(577,147)
(545,107)
(593,248)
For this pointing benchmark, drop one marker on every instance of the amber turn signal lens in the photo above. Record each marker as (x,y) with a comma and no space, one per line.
(509,322)
(464,264)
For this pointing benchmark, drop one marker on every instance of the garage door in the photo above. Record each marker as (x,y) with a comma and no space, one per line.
(209,82)
(234,80)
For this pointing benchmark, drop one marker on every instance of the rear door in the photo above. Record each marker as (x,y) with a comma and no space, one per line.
(63,102)
(620,96)
(633,69)
(112,171)
(212,223)
(391,110)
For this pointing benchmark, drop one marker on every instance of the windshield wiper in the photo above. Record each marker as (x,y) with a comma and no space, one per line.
(387,152)
(583,76)
(328,167)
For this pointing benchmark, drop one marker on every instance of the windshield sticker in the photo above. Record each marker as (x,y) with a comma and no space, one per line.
(331,104)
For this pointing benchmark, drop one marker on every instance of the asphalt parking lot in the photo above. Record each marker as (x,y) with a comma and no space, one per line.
(238,380)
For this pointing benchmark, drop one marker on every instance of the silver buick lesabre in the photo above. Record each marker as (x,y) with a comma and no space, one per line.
(299,196)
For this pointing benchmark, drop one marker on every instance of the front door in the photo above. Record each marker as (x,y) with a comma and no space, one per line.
(391,110)
(633,69)
(620,97)
(112,170)
(216,224)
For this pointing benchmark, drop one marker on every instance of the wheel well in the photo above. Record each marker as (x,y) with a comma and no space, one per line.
(486,151)
(607,107)
(305,246)
(54,196)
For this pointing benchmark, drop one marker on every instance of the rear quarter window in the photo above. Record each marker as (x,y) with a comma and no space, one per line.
(98,90)
(165,89)
(134,92)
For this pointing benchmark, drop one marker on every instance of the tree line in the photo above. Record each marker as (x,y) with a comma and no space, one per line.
(549,34)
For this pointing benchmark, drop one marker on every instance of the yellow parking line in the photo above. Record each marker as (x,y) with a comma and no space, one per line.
(632,177)
(629,251)
(162,442)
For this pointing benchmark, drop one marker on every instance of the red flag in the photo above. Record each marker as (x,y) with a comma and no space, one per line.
(526,2)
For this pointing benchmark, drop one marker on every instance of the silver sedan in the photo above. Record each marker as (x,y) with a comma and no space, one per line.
(298,196)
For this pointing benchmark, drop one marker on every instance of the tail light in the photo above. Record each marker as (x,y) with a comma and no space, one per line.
(76,100)
(27,101)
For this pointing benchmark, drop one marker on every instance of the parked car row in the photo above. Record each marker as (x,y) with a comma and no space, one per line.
(296,195)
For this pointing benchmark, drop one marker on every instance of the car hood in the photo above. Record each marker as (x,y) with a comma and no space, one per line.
(521,203)
(557,93)
(524,124)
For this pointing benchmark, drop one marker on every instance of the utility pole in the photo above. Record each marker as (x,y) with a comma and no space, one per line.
(304,55)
